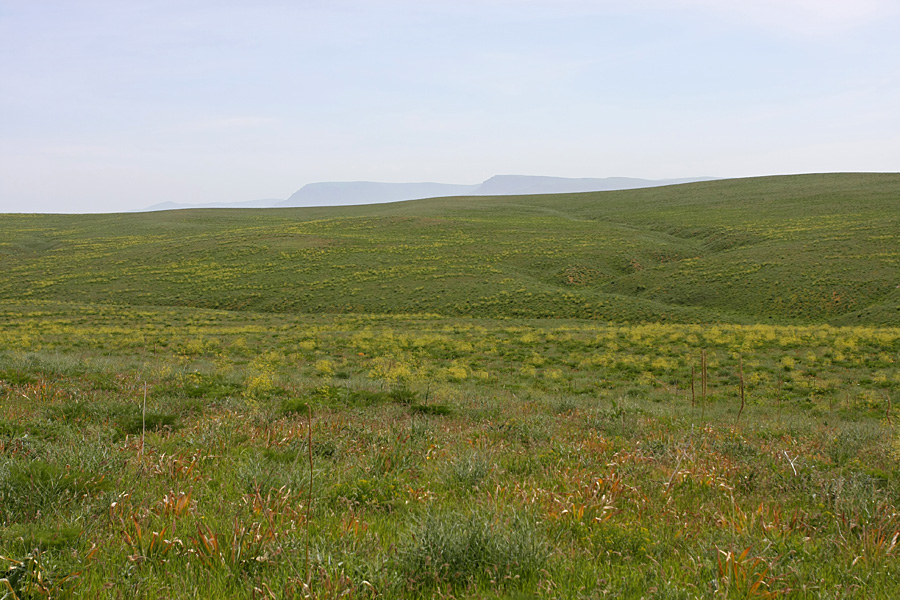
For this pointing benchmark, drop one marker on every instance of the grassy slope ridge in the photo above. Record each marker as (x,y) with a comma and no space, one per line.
(810,248)
(153,447)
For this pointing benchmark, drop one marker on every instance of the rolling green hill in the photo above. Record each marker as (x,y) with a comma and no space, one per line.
(795,249)
(153,446)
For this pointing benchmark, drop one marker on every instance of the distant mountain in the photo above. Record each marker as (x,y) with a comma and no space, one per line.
(370,192)
(345,193)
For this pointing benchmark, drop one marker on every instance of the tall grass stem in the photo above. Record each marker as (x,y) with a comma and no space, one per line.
(741,375)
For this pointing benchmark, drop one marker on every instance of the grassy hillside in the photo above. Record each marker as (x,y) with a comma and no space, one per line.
(154,446)
(812,248)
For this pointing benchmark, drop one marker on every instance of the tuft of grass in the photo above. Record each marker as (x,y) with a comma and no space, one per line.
(134,424)
(294,406)
(16,377)
(34,577)
(365,398)
(30,537)
(379,492)
(468,471)
(198,385)
(10,430)
(405,396)
(456,549)
(30,488)
(440,410)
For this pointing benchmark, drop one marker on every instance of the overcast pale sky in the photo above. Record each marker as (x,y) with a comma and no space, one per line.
(109,105)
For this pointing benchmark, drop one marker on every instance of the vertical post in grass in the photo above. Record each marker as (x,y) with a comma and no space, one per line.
(887,412)
(693,393)
(702,384)
(143,423)
(741,374)
(309,500)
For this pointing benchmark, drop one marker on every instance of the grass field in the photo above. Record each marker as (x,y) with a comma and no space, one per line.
(803,249)
(685,392)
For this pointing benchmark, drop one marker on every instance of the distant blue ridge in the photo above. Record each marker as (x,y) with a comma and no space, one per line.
(347,193)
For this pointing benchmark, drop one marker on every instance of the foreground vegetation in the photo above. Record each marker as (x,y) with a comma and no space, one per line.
(497,458)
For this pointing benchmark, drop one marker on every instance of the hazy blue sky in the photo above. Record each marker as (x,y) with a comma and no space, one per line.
(117,104)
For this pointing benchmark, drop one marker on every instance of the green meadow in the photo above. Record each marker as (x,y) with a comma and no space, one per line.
(679,392)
